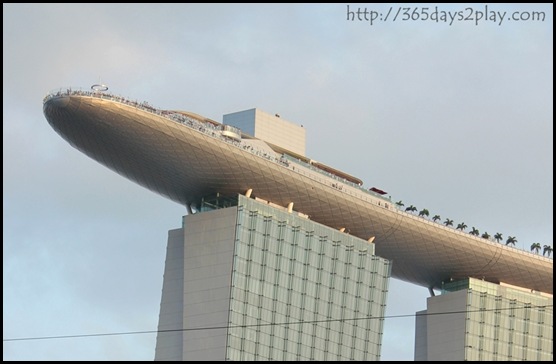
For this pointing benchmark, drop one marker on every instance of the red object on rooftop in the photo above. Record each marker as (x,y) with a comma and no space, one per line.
(377,190)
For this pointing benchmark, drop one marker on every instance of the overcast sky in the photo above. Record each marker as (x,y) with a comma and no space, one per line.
(454,118)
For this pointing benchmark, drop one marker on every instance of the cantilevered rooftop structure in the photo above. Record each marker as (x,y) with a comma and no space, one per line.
(204,165)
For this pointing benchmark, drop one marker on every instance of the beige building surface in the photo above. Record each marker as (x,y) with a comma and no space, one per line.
(481,321)
(255,282)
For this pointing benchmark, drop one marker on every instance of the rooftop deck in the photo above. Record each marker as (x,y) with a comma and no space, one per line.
(185,158)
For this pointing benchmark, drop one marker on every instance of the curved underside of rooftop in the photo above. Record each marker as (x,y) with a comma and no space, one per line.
(182,163)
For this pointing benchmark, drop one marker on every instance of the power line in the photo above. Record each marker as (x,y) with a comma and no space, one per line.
(266,324)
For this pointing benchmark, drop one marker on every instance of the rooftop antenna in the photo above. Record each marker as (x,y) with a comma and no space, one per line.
(99,87)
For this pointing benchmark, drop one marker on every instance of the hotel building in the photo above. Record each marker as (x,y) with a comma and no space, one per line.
(284,257)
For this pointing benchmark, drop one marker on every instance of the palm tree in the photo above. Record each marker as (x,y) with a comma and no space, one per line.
(400,203)
(547,249)
(536,247)
(411,208)
(461,226)
(435,218)
(511,240)
(449,222)
(474,231)
(497,237)
(485,235)
(424,212)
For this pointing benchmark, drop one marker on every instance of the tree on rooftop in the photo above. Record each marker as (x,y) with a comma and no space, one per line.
(548,250)
(424,212)
(536,247)
(511,240)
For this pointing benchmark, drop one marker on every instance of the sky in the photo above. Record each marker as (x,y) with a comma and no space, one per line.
(452,116)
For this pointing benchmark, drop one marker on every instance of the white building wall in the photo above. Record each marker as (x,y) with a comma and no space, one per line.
(256,264)
(445,333)
(206,266)
(169,345)
(291,269)
(270,128)
(421,336)
(476,320)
